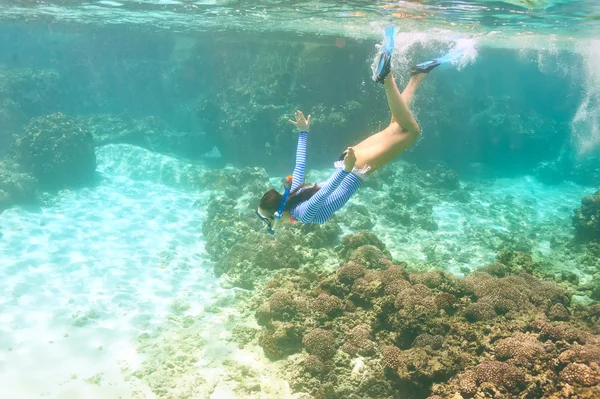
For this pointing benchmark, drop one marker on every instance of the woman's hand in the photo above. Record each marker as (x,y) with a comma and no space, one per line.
(301,122)
(349,160)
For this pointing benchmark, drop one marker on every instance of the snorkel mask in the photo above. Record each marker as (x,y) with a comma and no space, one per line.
(287,183)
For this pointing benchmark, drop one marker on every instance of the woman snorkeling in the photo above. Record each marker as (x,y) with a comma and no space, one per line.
(316,203)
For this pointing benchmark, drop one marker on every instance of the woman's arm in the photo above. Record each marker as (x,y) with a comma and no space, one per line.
(338,198)
(306,211)
(333,194)
(303,125)
(298,175)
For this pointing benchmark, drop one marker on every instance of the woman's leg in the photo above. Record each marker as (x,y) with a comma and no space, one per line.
(383,147)
(398,102)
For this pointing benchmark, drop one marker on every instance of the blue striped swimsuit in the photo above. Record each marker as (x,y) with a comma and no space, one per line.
(334,193)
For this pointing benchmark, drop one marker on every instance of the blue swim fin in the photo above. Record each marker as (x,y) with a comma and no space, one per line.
(425,67)
(384,65)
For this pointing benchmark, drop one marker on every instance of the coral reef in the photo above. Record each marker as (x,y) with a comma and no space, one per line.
(245,255)
(56,151)
(16,187)
(244,110)
(377,331)
(586,219)
(25,93)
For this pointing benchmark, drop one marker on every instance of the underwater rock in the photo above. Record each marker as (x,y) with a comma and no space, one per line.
(422,365)
(236,182)
(26,93)
(586,219)
(56,151)
(595,288)
(442,178)
(396,212)
(351,242)
(321,235)
(359,217)
(590,260)
(558,312)
(16,187)
(245,254)
(517,261)
(407,195)
(370,257)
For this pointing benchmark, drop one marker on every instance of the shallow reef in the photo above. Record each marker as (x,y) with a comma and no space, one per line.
(373,328)
(244,255)
(56,151)
(586,219)
(16,186)
(26,93)
(51,153)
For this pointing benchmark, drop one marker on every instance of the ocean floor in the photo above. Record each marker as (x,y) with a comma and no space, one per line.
(84,278)
(107,292)
(520,213)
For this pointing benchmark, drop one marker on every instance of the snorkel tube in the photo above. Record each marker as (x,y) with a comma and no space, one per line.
(287,183)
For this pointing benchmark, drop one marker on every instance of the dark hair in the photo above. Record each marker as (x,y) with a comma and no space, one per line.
(271,200)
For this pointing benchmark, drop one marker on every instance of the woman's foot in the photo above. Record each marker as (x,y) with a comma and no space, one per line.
(384,68)
(384,64)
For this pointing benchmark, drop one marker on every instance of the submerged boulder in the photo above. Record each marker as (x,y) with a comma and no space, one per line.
(56,151)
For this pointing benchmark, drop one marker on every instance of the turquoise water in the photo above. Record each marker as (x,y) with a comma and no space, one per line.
(136,138)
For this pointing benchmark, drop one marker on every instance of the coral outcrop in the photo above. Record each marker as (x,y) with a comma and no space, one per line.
(586,219)
(375,330)
(16,186)
(242,251)
(56,151)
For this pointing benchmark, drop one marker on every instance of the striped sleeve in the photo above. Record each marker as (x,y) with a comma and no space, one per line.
(331,197)
(298,175)
(338,198)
